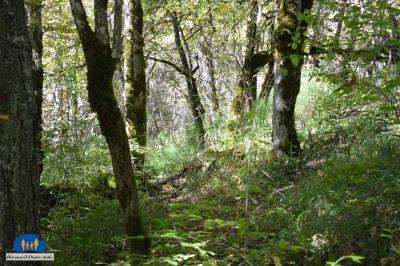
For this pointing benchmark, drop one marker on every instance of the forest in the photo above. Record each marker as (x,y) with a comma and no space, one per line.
(200,132)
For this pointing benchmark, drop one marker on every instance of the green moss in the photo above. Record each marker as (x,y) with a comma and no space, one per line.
(238,102)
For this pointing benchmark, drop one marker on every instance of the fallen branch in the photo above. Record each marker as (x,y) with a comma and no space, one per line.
(279,190)
(171,178)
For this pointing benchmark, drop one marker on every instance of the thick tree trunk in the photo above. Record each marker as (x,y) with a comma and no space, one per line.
(36,39)
(287,74)
(135,85)
(100,71)
(19,162)
(196,106)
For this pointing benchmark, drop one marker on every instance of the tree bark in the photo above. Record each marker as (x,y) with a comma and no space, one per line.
(117,30)
(117,54)
(287,73)
(19,158)
(206,47)
(100,71)
(246,92)
(188,71)
(340,19)
(268,83)
(135,85)
(36,39)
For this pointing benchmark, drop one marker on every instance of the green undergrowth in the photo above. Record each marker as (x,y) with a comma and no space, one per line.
(336,204)
(168,153)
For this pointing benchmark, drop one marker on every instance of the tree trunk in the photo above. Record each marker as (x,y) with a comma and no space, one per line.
(268,83)
(340,19)
(196,106)
(206,47)
(36,39)
(135,85)
(119,76)
(100,71)
(287,74)
(19,162)
(246,92)
(206,50)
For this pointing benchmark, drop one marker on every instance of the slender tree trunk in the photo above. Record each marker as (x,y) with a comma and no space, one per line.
(246,92)
(135,85)
(395,35)
(340,19)
(119,76)
(206,50)
(19,158)
(196,106)
(268,83)
(287,74)
(100,71)
(206,47)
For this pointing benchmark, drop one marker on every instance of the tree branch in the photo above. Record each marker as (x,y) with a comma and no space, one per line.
(117,32)
(101,21)
(186,65)
(258,61)
(86,34)
(195,70)
(185,45)
(168,63)
(379,53)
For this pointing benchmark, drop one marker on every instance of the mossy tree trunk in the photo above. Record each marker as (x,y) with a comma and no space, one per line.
(135,84)
(19,157)
(100,71)
(246,92)
(289,59)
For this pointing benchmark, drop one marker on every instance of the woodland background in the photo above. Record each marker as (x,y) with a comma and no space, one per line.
(223,175)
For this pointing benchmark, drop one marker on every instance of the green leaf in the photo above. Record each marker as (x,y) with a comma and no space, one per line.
(357,259)
(309,19)
(387,236)
(277,260)
(4,117)
(332,263)
(170,261)
(111,183)
(295,58)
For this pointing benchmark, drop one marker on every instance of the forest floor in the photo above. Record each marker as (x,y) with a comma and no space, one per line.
(235,203)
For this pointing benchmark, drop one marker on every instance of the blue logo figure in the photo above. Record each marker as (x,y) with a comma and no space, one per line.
(29,243)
